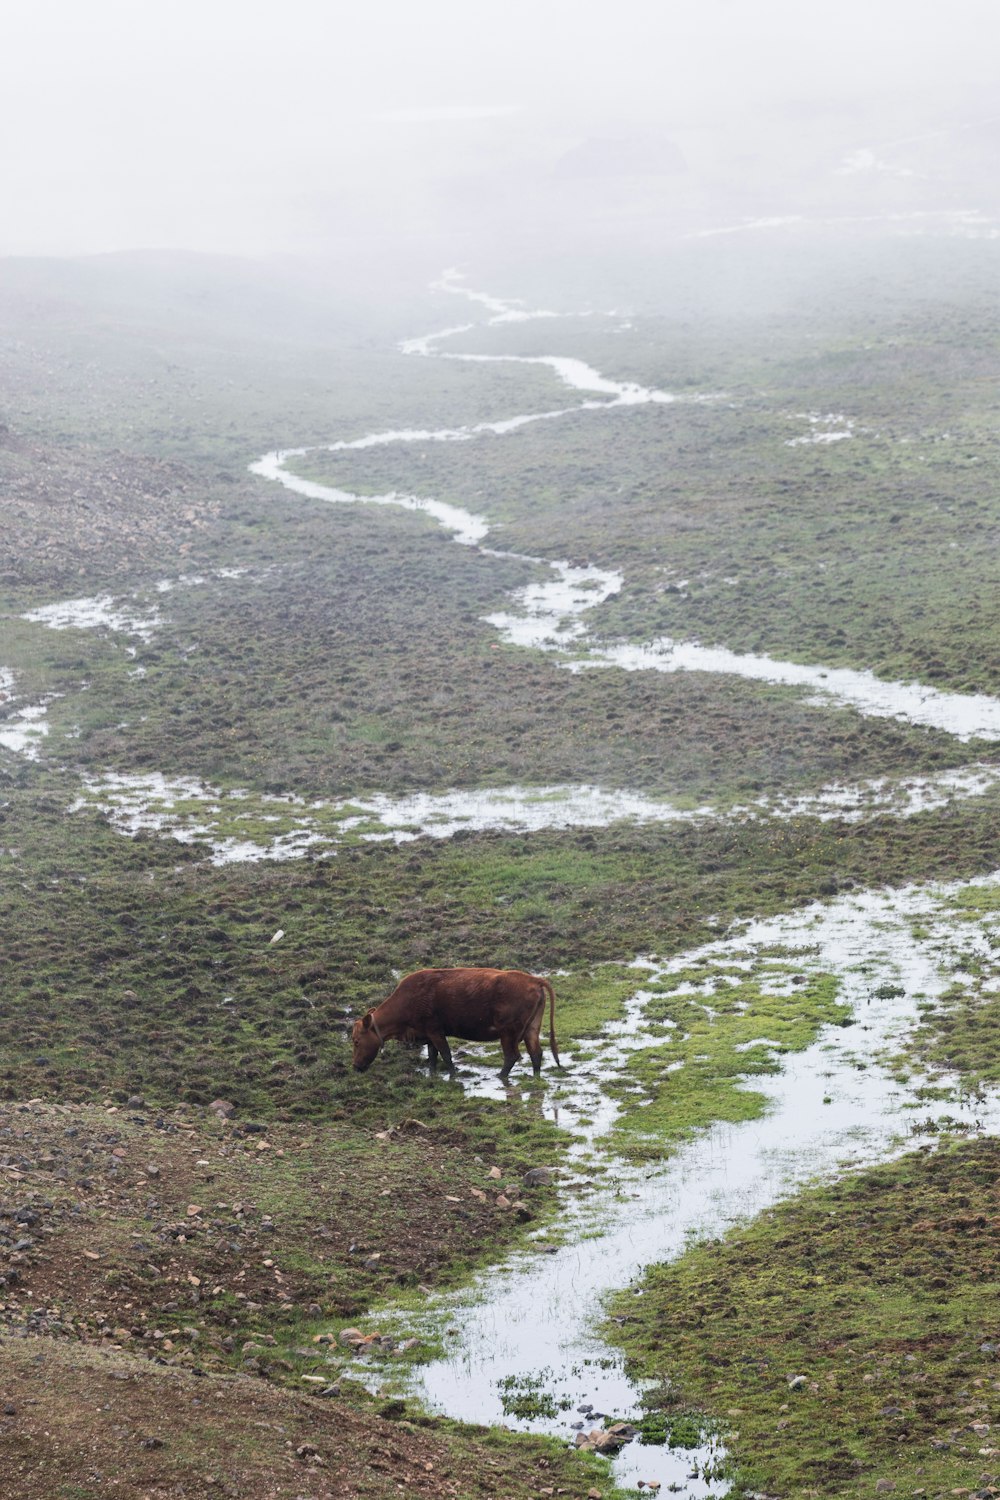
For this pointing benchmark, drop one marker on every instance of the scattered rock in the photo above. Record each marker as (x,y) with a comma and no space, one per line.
(223,1107)
(606,1439)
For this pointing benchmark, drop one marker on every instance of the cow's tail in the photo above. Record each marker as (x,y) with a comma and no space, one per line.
(548,990)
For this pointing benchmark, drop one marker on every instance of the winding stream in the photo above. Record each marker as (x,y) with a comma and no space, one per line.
(548,615)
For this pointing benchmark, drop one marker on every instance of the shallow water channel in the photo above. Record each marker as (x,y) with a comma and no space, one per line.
(832,1107)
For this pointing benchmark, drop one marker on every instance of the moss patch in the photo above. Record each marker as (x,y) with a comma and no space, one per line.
(739,1030)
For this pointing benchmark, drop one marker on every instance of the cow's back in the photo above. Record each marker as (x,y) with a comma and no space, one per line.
(474,1004)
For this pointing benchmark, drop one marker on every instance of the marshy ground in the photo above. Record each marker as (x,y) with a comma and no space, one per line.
(824,491)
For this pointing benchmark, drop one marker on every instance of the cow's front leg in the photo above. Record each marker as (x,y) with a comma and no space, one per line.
(437,1042)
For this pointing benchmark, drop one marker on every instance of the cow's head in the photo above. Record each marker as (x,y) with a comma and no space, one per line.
(367,1041)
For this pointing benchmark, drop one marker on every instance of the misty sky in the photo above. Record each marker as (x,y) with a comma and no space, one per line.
(249,125)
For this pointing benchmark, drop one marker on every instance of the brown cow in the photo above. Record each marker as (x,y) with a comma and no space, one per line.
(478,1005)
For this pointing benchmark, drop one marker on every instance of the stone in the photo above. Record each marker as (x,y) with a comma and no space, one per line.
(223,1107)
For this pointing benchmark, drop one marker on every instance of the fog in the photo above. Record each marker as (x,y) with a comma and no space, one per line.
(253,128)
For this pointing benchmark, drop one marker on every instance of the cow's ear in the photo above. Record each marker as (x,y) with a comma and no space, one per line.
(366,1021)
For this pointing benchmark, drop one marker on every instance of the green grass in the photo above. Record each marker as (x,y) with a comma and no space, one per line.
(880,1291)
(955,1038)
(135,967)
(696,1076)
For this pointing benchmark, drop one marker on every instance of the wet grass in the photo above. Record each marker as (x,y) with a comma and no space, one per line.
(737,1029)
(133,966)
(847,1337)
(351,657)
(954,1043)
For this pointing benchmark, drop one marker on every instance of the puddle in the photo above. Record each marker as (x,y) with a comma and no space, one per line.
(120,614)
(102,611)
(832,1107)
(23,730)
(832,428)
(188,810)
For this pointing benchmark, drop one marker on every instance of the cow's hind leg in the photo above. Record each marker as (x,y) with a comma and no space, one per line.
(437,1042)
(532,1037)
(511,1054)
